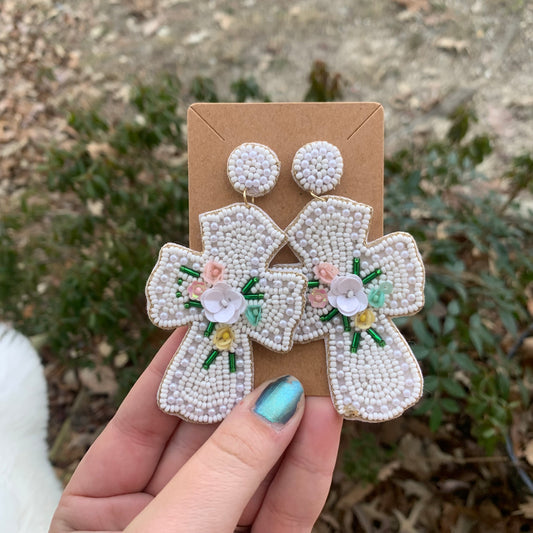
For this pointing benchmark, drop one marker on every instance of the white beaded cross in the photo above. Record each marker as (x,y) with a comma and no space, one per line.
(355,289)
(229,297)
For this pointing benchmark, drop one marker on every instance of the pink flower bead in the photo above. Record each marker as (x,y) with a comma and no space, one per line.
(325,272)
(318,298)
(196,289)
(213,272)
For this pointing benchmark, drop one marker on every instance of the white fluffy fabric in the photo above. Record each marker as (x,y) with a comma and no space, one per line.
(29,489)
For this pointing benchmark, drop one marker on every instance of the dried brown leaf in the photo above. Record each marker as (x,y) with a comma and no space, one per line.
(449,44)
(12,148)
(355,495)
(195,37)
(28,310)
(98,149)
(526,508)
(151,27)
(104,349)
(408,523)
(74,59)
(438,18)
(527,347)
(96,208)
(70,380)
(528,452)
(387,470)
(414,6)
(224,20)
(6,133)
(421,457)
(415,488)
(121,360)
(99,380)
(327,521)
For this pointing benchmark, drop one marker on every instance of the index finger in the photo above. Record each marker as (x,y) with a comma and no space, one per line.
(299,490)
(124,457)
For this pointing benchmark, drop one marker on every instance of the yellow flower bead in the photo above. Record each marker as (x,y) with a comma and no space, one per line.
(224,338)
(364,319)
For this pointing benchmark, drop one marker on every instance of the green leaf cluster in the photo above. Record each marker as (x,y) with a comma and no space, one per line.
(476,241)
(365,457)
(75,259)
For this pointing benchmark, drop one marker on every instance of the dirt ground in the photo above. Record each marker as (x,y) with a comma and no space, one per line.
(419,58)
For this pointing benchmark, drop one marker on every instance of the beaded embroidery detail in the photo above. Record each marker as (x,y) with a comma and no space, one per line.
(229,297)
(317,167)
(373,374)
(253,169)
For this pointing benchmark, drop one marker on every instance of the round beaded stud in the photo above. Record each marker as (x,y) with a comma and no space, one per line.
(253,169)
(317,167)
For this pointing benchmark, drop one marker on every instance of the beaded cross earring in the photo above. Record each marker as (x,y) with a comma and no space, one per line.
(227,294)
(355,289)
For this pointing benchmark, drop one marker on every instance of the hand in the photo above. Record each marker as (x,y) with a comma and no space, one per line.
(268,465)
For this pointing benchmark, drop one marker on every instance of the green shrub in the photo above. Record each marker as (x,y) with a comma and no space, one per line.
(477,248)
(323,86)
(112,198)
(364,458)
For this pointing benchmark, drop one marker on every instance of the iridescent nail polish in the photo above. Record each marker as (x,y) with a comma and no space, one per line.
(278,402)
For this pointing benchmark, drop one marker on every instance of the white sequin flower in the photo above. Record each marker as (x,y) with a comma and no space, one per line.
(373,374)
(347,295)
(229,297)
(223,304)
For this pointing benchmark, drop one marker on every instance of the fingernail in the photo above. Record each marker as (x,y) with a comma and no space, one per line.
(278,402)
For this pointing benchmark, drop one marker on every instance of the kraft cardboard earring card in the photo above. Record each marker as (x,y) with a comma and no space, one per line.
(287,270)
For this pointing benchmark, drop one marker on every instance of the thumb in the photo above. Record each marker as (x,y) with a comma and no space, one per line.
(211,490)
